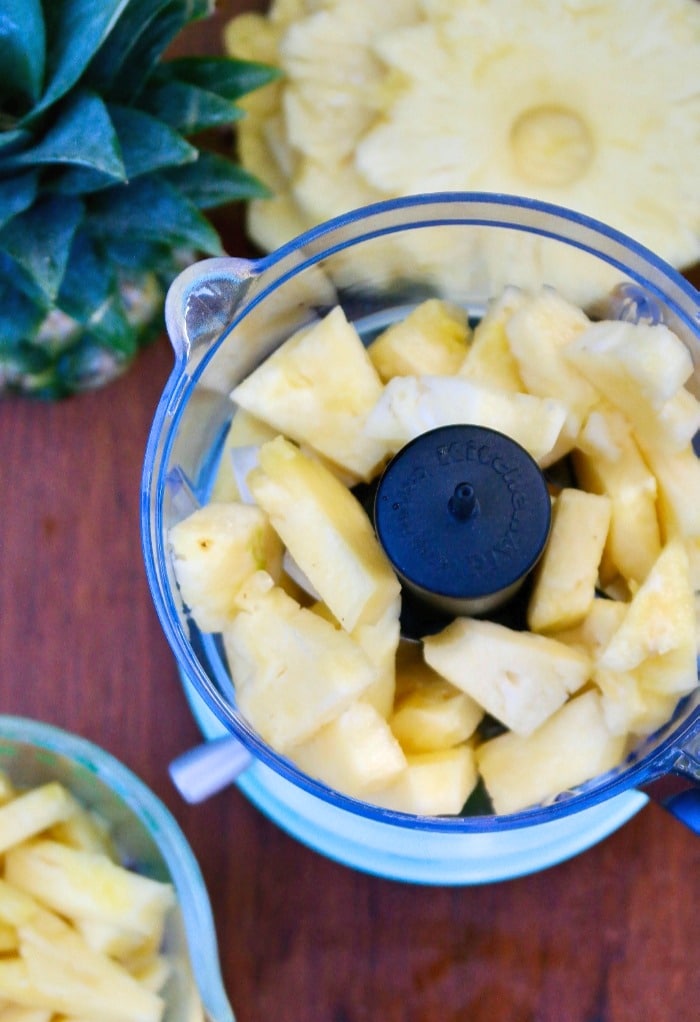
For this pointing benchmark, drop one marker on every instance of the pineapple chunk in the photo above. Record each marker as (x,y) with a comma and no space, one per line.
(327,532)
(678,480)
(215,550)
(608,461)
(641,369)
(430,713)
(632,360)
(566,575)
(412,405)
(678,422)
(538,332)
(248,431)
(660,619)
(573,746)
(293,670)
(17,907)
(674,673)
(489,359)
(154,973)
(518,677)
(432,339)
(317,389)
(34,811)
(433,783)
(355,753)
(630,708)
(634,541)
(380,641)
(596,629)
(245,431)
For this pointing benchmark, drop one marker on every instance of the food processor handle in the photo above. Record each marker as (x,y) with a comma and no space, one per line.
(202,300)
(208,768)
(679,790)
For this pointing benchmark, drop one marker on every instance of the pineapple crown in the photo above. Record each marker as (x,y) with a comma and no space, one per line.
(101,193)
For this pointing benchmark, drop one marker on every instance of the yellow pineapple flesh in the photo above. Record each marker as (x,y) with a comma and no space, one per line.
(327,532)
(430,340)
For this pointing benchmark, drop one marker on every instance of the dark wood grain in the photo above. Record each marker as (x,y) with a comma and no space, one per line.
(610,936)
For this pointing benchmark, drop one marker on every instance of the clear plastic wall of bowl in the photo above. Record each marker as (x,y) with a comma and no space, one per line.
(146,838)
(225,316)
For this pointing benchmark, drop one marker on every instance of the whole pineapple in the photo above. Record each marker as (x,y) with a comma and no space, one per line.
(101,194)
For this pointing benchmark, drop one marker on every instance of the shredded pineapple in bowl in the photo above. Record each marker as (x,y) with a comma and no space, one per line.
(103,910)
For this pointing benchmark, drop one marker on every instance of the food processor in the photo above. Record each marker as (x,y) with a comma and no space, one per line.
(224,317)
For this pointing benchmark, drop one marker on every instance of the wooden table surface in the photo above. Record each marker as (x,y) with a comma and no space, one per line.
(608,936)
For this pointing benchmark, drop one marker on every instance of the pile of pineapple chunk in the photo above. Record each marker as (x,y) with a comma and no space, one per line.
(80,934)
(283,560)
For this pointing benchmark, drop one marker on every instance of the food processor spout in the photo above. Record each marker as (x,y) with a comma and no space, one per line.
(202,301)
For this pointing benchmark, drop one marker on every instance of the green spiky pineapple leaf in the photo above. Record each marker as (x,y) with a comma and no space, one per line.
(89,294)
(14,139)
(148,144)
(231,79)
(128,42)
(151,209)
(39,240)
(150,41)
(187,108)
(145,145)
(215,180)
(22,49)
(74,30)
(68,142)
(195,93)
(20,314)
(17,194)
(102,187)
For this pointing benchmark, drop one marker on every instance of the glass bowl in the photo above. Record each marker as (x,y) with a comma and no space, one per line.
(224,316)
(145,836)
